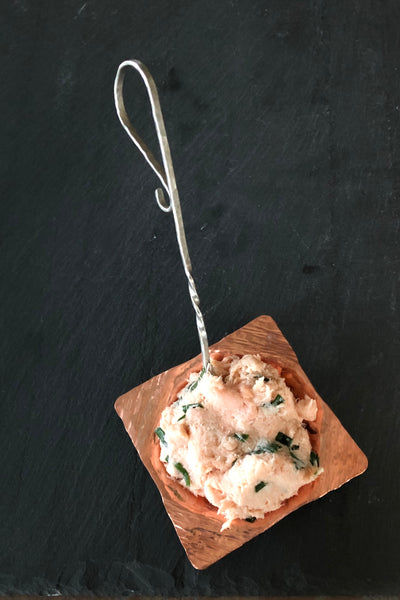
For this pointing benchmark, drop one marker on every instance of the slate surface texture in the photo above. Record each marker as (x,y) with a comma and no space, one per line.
(283,121)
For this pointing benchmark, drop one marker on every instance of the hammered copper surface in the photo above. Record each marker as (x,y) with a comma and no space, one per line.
(195,520)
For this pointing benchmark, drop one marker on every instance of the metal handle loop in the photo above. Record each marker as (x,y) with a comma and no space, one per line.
(166,175)
(158,121)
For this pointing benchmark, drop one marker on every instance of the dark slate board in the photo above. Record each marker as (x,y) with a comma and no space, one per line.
(283,119)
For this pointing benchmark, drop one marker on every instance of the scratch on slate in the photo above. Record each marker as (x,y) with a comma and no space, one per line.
(82,8)
(301,239)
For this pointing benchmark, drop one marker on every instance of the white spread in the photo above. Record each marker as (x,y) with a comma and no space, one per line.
(237,437)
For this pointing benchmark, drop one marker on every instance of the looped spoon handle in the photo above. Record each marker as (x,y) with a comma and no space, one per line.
(167,177)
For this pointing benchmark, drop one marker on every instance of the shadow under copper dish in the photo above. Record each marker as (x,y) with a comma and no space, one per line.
(195,520)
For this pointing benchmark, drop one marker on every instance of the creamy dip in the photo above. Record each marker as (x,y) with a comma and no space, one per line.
(238,438)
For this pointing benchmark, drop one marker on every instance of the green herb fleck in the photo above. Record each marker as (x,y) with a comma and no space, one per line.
(277,400)
(194,385)
(263,447)
(284,439)
(298,463)
(260,486)
(166,458)
(186,407)
(160,433)
(314,458)
(250,519)
(194,405)
(182,470)
(294,446)
(234,462)
(242,437)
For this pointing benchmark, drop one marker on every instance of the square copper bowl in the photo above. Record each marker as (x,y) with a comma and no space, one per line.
(195,520)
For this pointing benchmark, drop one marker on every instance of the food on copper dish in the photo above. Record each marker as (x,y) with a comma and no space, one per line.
(238,437)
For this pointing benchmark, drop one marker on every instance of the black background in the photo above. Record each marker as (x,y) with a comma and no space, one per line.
(283,121)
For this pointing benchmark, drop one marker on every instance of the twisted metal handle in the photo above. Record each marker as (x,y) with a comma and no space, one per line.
(167,177)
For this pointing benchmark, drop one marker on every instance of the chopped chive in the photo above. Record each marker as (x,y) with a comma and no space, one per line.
(295,446)
(260,486)
(166,458)
(250,519)
(160,433)
(186,407)
(264,446)
(298,463)
(182,470)
(242,437)
(277,400)
(284,439)
(194,385)
(314,458)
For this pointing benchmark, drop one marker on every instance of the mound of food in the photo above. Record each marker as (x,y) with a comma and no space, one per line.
(238,437)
